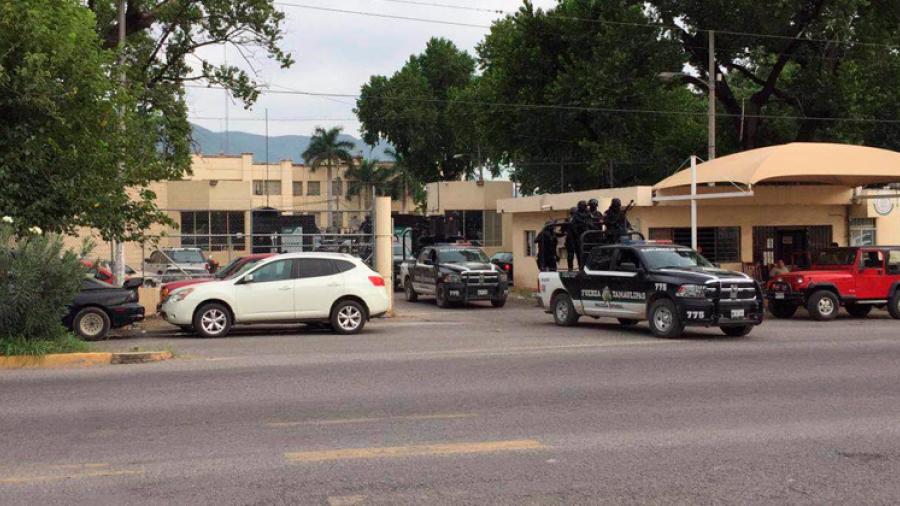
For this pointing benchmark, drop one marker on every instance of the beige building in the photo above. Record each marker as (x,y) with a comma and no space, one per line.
(771,203)
(476,204)
(215,206)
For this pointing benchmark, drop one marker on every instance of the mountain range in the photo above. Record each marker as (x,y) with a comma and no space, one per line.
(281,147)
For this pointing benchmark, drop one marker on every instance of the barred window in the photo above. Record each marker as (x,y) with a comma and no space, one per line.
(313,188)
(530,249)
(297,188)
(270,187)
(493,229)
(716,244)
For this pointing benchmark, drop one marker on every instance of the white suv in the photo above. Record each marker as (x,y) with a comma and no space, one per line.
(294,287)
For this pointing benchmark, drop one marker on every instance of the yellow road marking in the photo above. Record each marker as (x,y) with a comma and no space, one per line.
(341,421)
(92,471)
(413,451)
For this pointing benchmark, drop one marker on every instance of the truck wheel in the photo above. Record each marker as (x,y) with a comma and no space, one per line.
(737,330)
(564,313)
(498,302)
(782,309)
(212,320)
(91,324)
(440,296)
(859,310)
(823,305)
(411,294)
(627,322)
(665,320)
(894,306)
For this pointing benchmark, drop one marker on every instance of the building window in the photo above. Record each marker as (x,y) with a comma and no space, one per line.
(337,188)
(716,244)
(530,249)
(213,230)
(297,188)
(269,187)
(862,232)
(313,188)
(493,229)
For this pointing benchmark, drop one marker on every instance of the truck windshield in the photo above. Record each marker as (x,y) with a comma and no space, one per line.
(661,258)
(186,256)
(836,256)
(462,256)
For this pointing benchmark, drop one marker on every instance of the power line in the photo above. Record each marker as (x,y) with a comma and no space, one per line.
(576,108)
(575,18)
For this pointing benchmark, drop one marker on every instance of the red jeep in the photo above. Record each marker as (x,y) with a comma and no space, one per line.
(857,278)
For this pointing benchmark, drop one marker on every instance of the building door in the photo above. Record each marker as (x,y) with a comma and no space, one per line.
(792,246)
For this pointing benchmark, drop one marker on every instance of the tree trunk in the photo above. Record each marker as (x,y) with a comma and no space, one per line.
(405,196)
(328,175)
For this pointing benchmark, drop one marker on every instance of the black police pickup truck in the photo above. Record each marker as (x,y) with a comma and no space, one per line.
(670,286)
(454,273)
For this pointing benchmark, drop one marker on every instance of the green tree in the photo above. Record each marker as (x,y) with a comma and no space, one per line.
(370,177)
(409,109)
(554,84)
(408,186)
(60,102)
(326,148)
(773,88)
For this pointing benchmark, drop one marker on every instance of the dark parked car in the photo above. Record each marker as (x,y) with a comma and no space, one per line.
(504,260)
(99,307)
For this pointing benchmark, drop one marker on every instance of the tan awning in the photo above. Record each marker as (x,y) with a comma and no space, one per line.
(799,162)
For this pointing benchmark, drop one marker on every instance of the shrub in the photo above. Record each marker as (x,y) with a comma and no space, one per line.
(38,279)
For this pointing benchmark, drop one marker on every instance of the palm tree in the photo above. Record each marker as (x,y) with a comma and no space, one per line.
(403,177)
(325,148)
(369,175)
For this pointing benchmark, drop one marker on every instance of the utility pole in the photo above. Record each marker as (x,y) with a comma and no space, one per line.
(118,245)
(712,96)
(562,178)
(266,182)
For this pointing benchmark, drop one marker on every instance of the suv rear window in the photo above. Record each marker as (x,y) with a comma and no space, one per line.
(316,267)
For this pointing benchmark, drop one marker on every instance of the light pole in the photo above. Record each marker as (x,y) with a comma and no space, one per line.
(711,85)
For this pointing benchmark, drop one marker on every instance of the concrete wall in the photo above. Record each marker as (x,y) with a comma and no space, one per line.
(466,195)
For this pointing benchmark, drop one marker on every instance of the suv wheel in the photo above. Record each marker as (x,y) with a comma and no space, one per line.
(665,320)
(212,320)
(411,294)
(894,305)
(823,305)
(91,323)
(859,310)
(782,309)
(563,310)
(348,317)
(737,330)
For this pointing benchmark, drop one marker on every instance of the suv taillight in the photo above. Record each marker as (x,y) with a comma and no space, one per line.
(377,280)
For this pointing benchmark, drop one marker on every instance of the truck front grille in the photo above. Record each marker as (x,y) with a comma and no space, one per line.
(736,291)
(481,278)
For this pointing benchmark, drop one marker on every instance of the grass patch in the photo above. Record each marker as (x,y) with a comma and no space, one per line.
(65,343)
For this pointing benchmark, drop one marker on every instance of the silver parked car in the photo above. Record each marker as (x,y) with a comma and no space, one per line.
(174,264)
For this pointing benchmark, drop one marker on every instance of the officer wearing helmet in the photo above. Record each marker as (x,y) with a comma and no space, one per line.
(571,239)
(596,217)
(615,220)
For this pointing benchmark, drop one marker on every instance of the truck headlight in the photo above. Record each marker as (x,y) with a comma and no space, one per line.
(453,278)
(692,291)
(180,295)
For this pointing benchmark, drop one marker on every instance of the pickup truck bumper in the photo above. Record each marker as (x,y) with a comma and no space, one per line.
(718,313)
(460,292)
(782,293)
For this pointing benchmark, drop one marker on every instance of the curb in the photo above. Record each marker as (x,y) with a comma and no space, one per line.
(61,360)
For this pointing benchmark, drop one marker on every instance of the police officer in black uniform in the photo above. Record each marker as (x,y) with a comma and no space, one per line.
(571,240)
(581,222)
(546,243)
(595,214)
(615,221)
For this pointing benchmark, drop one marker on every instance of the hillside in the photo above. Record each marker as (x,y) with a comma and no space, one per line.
(280,147)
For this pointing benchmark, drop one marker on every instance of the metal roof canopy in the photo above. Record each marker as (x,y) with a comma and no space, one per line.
(798,162)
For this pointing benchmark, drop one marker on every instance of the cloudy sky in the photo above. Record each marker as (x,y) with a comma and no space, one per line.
(337,52)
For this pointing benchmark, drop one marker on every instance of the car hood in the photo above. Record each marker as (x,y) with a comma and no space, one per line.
(704,274)
(469,266)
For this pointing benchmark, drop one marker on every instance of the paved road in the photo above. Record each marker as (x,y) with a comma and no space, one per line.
(477,406)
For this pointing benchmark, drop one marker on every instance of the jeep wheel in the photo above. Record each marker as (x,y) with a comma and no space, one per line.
(782,309)
(440,296)
(563,310)
(859,310)
(665,320)
(823,305)
(411,295)
(627,322)
(737,330)
(893,306)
